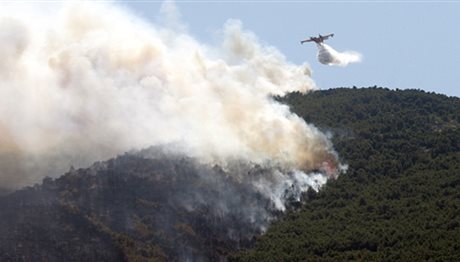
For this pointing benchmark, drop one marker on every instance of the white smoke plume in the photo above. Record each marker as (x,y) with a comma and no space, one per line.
(87,81)
(329,56)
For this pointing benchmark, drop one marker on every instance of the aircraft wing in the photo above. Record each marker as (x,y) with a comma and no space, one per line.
(306,40)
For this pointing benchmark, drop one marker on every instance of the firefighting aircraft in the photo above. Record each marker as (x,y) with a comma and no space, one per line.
(318,39)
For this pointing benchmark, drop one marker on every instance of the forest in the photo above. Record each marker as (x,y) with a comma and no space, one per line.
(400,198)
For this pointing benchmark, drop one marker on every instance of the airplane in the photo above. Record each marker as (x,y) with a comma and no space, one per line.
(318,39)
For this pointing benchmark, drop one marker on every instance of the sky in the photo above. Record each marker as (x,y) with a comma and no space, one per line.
(405,44)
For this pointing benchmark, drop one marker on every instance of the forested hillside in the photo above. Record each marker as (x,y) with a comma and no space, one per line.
(399,200)
(147,206)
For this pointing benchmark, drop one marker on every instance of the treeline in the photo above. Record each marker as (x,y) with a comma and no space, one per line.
(399,200)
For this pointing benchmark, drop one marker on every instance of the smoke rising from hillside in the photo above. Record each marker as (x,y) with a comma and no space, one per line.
(89,81)
(329,56)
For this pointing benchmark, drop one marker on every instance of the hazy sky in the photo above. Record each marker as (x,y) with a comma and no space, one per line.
(405,44)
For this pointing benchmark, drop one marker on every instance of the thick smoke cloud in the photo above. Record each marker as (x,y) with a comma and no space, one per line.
(86,81)
(329,56)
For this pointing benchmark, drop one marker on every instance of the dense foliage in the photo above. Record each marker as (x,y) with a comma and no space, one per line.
(399,200)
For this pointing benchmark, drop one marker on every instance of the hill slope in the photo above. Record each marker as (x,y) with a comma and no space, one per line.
(400,199)
(136,207)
